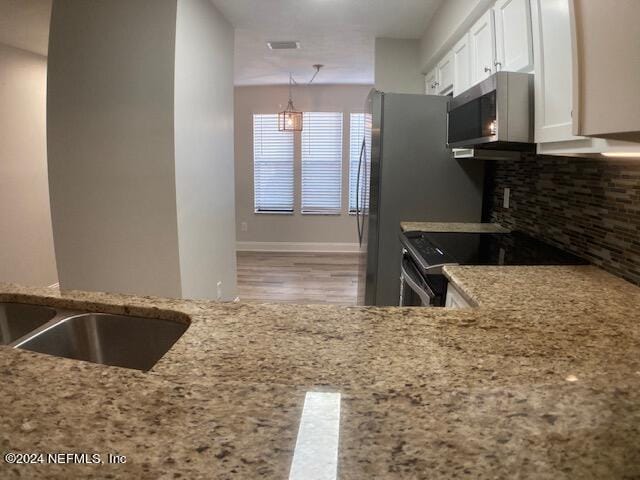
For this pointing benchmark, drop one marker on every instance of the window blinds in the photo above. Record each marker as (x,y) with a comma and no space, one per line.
(322,162)
(272,165)
(360,127)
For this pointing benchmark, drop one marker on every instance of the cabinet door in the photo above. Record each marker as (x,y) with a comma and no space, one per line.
(552,64)
(483,47)
(514,46)
(444,75)
(430,83)
(461,65)
(454,298)
(606,55)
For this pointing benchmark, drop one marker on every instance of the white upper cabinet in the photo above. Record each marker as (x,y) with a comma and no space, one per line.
(514,45)
(555,90)
(430,83)
(444,75)
(552,81)
(483,48)
(461,65)
(606,77)
(587,69)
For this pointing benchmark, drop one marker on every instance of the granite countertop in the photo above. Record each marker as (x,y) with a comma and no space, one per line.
(453,227)
(542,380)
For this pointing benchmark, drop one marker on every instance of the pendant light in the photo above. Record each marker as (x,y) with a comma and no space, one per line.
(290,120)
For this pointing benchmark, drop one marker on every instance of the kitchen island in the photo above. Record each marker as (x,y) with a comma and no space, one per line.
(542,380)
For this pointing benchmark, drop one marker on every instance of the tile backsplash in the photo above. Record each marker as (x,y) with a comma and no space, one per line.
(590,207)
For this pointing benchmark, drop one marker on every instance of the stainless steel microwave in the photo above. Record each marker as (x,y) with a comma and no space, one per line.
(496,114)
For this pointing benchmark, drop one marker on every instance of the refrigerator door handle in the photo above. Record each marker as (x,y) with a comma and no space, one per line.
(358,193)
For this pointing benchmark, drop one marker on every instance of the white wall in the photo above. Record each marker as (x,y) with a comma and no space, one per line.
(397,66)
(204,150)
(26,253)
(264,227)
(110,145)
(449,22)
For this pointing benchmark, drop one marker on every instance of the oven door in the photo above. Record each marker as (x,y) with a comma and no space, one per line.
(414,290)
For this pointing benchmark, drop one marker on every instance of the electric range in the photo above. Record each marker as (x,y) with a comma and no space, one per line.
(425,253)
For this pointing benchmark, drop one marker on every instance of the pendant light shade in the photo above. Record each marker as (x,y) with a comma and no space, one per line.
(290,120)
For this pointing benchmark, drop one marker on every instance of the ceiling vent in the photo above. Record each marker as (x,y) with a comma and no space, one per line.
(288,45)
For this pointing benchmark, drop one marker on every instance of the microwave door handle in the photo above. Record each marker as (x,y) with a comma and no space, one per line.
(358,193)
(425,293)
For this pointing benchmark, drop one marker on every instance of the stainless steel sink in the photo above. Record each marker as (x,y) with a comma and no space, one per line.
(18,319)
(118,340)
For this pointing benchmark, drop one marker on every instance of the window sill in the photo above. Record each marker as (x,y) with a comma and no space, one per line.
(333,214)
(264,212)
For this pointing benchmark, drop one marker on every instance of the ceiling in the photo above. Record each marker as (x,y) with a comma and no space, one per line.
(25,24)
(337,33)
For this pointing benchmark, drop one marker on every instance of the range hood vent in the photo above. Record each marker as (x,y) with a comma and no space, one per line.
(486,154)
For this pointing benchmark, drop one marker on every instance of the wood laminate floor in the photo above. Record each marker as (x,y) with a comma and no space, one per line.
(298,277)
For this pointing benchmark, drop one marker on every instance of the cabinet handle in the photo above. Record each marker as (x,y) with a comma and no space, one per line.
(434,84)
(498,66)
(487,69)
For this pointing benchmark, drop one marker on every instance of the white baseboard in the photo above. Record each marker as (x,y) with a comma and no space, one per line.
(315,247)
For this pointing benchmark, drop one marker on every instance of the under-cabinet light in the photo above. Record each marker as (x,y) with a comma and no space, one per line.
(622,154)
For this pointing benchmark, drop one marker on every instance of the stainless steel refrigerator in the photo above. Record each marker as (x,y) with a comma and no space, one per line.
(406,173)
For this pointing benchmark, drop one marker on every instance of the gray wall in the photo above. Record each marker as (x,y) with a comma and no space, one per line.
(296,227)
(397,66)
(110,145)
(204,150)
(27,255)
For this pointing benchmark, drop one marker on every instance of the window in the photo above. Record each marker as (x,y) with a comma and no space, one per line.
(360,127)
(322,162)
(272,166)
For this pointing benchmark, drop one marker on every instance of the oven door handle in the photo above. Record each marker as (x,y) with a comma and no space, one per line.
(423,291)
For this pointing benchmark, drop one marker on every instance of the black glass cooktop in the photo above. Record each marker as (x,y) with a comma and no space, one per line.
(485,249)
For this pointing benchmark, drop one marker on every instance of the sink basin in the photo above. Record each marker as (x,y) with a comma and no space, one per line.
(118,340)
(18,319)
